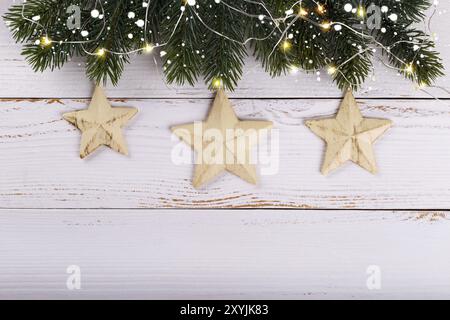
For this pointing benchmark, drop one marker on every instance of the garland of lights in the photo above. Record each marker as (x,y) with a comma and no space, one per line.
(211,38)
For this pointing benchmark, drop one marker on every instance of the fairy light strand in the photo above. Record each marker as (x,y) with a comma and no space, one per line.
(290,13)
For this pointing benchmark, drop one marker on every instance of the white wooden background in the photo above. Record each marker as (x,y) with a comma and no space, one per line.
(136,227)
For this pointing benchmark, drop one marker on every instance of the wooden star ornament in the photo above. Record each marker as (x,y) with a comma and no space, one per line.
(349,136)
(222,143)
(101,125)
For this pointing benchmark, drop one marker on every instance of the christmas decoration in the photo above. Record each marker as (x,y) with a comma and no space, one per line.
(101,125)
(222,142)
(211,39)
(349,136)
(208,38)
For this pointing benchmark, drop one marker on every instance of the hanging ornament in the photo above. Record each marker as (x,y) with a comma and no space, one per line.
(101,125)
(222,142)
(349,136)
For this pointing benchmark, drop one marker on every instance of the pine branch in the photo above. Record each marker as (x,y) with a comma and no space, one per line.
(183,38)
(224,43)
(409,50)
(207,40)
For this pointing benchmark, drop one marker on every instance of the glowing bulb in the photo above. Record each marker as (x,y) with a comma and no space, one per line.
(326,25)
(409,68)
(293,69)
(101,52)
(332,70)
(302,12)
(422,85)
(148,48)
(46,41)
(286,45)
(217,83)
(361,12)
(320,8)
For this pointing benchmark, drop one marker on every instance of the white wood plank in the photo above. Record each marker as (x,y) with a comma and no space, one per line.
(40,167)
(143,79)
(224,254)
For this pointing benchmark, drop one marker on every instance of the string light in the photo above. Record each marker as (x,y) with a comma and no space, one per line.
(320,8)
(331,70)
(361,12)
(302,12)
(286,45)
(101,52)
(422,85)
(46,41)
(294,69)
(326,25)
(148,48)
(217,83)
(409,68)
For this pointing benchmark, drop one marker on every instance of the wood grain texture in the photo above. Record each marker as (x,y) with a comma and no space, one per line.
(223,254)
(142,79)
(40,167)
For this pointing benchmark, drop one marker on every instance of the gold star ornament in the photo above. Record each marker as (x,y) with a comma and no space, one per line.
(101,125)
(349,136)
(222,143)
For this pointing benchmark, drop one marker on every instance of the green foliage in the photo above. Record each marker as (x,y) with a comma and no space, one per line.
(183,59)
(224,43)
(410,50)
(209,40)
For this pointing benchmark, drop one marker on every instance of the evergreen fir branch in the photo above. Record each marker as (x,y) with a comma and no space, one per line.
(411,10)
(307,45)
(275,58)
(224,48)
(349,54)
(183,37)
(20,18)
(206,40)
(103,64)
(26,30)
(416,60)
(411,51)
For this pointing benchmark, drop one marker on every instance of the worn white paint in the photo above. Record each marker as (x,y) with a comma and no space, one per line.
(191,253)
(41,167)
(223,254)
